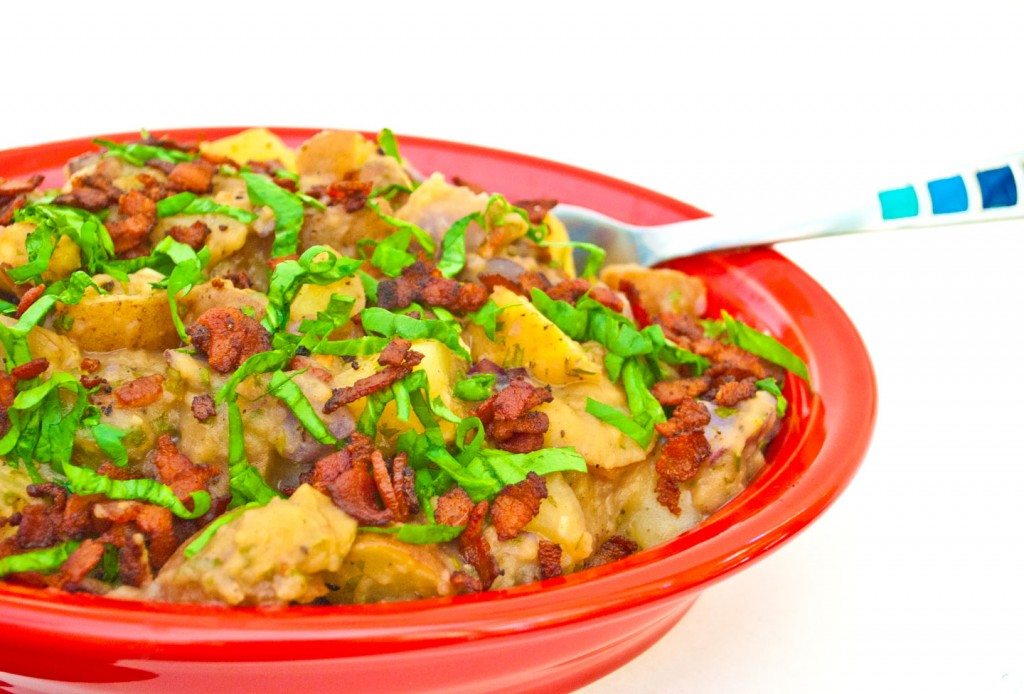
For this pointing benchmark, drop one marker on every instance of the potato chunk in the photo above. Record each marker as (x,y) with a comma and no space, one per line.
(333,153)
(526,338)
(286,551)
(660,290)
(254,144)
(379,567)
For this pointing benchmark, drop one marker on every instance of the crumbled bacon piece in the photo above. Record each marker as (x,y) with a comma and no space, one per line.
(685,449)
(460,181)
(507,420)
(350,194)
(29,298)
(396,486)
(675,392)
(345,477)
(108,469)
(137,217)
(614,548)
(537,209)
(132,555)
(475,549)
(453,507)
(91,381)
(193,176)
(571,290)
(90,365)
(20,186)
(240,279)
(63,518)
(8,206)
(30,369)
(732,393)
(423,283)
(8,391)
(194,235)
(399,363)
(156,522)
(91,192)
(178,472)
(228,337)
(503,376)
(141,392)
(203,407)
(517,504)
(549,558)
(464,584)
(152,188)
(81,562)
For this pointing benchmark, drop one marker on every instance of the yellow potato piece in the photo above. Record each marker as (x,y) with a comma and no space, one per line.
(333,153)
(311,299)
(66,256)
(379,567)
(526,338)
(557,233)
(561,520)
(255,144)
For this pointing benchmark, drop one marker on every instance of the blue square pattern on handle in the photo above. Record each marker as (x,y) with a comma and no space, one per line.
(948,195)
(899,203)
(998,188)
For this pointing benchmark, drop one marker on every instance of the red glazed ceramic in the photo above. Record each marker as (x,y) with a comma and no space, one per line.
(550,636)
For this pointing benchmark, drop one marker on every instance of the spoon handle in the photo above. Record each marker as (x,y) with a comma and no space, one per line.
(975,195)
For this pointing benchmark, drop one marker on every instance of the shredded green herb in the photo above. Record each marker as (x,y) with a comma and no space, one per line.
(85,481)
(138,153)
(757,343)
(42,560)
(595,255)
(190,203)
(283,387)
(414,534)
(84,228)
(196,546)
(389,144)
(770,385)
(380,321)
(286,206)
(475,388)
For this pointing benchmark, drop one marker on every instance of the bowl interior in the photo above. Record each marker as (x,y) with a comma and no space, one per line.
(809,463)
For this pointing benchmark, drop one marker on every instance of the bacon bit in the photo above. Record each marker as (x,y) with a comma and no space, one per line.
(168,143)
(726,359)
(64,518)
(350,194)
(108,469)
(240,279)
(614,548)
(345,477)
(193,236)
(141,392)
(29,298)
(137,219)
(549,558)
(272,263)
(30,369)
(90,365)
(91,192)
(537,209)
(422,282)
(502,376)
(476,550)
(517,504)
(675,392)
(154,521)
(8,206)
(732,393)
(81,562)
(203,407)
(571,290)
(464,584)
(228,337)
(398,368)
(453,507)
(91,381)
(178,472)
(193,176)
(20,186)
(685,449)
(507,420)
(132,555)
(635,302)
(460,181)
(8,391)
(396,487)
(492,280)
(152,188)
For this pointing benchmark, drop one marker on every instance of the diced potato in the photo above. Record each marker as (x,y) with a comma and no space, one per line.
(602,445)
(643,518)
(437,204)
(311,299)
(661,290)
(255,144)
(132,316)
(561,520)
(222,293)
(61,352)
(66,256)
(333,153)
(526,338)
(379,567)
(286,551)
(12,494)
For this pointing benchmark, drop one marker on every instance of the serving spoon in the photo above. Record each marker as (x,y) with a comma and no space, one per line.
(976,195)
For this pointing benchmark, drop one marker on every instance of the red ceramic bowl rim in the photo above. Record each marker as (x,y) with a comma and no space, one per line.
(771,511)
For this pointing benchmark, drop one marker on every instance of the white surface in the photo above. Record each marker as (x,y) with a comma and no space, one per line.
(913,580)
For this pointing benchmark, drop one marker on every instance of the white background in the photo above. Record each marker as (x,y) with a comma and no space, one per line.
(913,580)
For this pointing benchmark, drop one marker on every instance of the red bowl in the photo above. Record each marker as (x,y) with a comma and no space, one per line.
(550,636)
